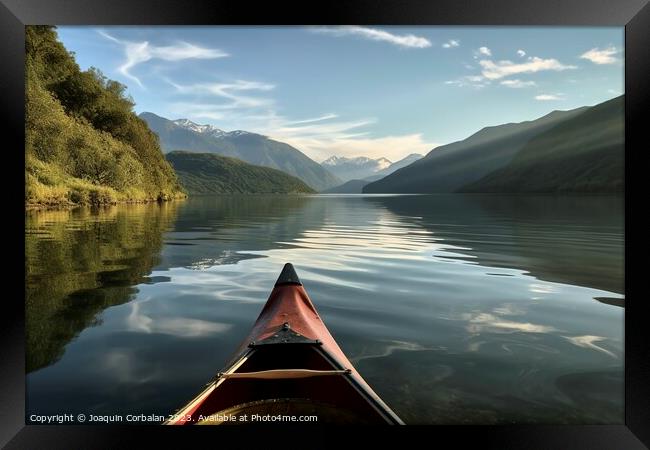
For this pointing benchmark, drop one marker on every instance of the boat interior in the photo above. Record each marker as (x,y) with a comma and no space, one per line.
(269,385)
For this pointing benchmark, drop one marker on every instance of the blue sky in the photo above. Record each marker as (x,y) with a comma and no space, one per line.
(356,91)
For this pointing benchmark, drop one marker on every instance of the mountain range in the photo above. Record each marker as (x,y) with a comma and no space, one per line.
(253,148)
(355,186)
(584,153)
(564,151)
(355,168)
(364,168)
(579,150)
(408,160)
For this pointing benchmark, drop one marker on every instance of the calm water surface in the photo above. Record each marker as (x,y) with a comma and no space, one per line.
(454,308)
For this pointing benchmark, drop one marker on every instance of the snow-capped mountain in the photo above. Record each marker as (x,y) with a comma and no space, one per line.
(183,134)
(356,185)
(206,129)
(395,166)
(355,168)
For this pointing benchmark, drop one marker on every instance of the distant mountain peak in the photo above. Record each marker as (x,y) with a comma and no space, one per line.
(333,160)
(203,129)
(253,148)
(238,133)
(384,163)
(208,129)
(359,167)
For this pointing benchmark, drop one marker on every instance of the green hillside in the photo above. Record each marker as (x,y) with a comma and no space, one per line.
(207,173)
(582,154)
(249,147)
(83,142)
(448,168)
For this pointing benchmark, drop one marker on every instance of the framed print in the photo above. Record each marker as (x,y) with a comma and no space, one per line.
(289,217)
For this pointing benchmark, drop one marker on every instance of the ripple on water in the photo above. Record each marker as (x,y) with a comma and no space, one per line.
(455,309)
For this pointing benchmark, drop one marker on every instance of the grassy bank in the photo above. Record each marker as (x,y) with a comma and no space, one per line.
(84,145)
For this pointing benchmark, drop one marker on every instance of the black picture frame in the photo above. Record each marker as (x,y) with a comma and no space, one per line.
(15,14)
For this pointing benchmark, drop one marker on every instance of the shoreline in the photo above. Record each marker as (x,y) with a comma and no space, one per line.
(70,205)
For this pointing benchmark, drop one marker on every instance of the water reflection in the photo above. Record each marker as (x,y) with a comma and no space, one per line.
(78,263)
(456,309)
(568,239)
(209,231)
(139,322)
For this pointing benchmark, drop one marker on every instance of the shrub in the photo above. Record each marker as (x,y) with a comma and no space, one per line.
(83,142)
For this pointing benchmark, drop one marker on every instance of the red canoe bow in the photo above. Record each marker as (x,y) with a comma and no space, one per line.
(288,367)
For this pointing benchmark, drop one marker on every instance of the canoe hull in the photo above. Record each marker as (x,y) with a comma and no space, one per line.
(289,353)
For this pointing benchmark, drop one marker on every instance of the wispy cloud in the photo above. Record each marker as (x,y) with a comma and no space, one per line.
(485,51)
(328,135)
(230,91)
(310,128)
(601,56)
(393,147)
(451,43)
(518,84)
(242,104)
(318,137)
(549,97)
(475,81)
(521,53)
(140,52)
(493,70)
(375,34)
(315,119)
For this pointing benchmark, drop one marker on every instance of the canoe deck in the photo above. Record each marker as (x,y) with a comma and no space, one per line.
(290,365)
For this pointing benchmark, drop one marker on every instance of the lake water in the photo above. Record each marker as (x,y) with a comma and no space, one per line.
(454,308)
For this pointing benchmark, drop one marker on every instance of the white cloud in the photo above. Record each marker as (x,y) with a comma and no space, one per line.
(315,119)
(548,97)
(494,70)
(321,147)
(475,81)
(521,53)
(230,91)
(401,40)
(451,43)
(485,51)
(311,128)
(139,52)
(517,84)
(323,137)
(318,137)
(598,56)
